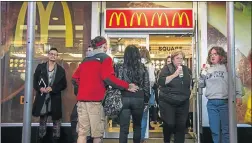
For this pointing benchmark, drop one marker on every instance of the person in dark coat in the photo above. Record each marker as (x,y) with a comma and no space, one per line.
(49,81)
(175,82)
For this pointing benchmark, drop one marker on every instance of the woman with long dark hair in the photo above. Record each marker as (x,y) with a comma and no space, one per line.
(133,71)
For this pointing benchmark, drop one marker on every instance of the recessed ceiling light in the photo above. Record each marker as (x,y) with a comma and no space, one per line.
(55,18)
(80,40)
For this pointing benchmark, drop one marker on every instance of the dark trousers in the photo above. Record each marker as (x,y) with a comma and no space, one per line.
(74,121)
(174,118)
(131,106)
(42,129)
(189,122)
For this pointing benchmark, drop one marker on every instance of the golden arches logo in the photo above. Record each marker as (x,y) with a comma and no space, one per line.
(44,14)
(180,18)
(138,19)
(159,18)
(118,17)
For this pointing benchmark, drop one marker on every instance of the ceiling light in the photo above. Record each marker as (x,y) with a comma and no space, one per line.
(152,55)
(76,55)
(142,44)
(80,40)
(20,55)
(55,18)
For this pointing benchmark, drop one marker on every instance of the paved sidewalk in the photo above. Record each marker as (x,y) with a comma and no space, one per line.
(153,140)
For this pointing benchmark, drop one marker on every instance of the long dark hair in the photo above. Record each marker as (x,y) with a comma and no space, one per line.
(132,61)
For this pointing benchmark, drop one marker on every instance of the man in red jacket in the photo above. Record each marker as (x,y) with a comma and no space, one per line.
(93,75)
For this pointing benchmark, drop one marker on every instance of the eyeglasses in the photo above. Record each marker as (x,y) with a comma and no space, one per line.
(215,54)
(52,54)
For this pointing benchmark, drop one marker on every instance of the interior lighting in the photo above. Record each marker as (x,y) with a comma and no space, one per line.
(55,18)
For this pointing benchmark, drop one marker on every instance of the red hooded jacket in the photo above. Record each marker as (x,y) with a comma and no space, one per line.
(93,75)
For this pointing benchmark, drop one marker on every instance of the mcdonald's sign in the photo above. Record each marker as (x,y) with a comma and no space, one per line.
(150,19)
(180,17)
(159,19)
(138,18)
(118,18)
(44,15)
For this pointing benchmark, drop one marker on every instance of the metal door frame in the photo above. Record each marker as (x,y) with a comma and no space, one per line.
(126,35)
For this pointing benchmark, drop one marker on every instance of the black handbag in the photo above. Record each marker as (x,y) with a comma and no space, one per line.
(112,103)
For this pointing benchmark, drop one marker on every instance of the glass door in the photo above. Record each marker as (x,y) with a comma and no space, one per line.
(117,45)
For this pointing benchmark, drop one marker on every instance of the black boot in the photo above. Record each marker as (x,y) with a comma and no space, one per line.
(74,121)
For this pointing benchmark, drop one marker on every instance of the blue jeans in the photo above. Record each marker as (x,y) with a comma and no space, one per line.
(145,115)
(152,98)
(218,119)
(144,124)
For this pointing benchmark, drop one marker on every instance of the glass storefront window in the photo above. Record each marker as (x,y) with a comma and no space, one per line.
(63,25)
(217,35)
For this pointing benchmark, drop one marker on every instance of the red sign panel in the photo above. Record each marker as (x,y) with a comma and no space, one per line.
(146,18)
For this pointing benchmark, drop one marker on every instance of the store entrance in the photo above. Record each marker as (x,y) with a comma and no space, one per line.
(161,46)
(158,47)
(117,44)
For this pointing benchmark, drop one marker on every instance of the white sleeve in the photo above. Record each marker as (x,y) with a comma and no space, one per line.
(151,70)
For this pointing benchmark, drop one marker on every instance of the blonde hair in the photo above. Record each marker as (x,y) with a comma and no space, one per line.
(174,54)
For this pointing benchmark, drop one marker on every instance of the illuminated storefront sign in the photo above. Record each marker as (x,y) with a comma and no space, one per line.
(164,48)
(138,19)
(180,18)
(159,19)
(145,18)
(44,15)
(168,48)
(118,18)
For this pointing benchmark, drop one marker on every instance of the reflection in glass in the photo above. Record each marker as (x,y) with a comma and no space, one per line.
(65,26)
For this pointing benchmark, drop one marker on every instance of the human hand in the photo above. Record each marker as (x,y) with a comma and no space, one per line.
(238,101)
(48,89)
(203,70)
(177,72)
(133,87)
(43,90)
